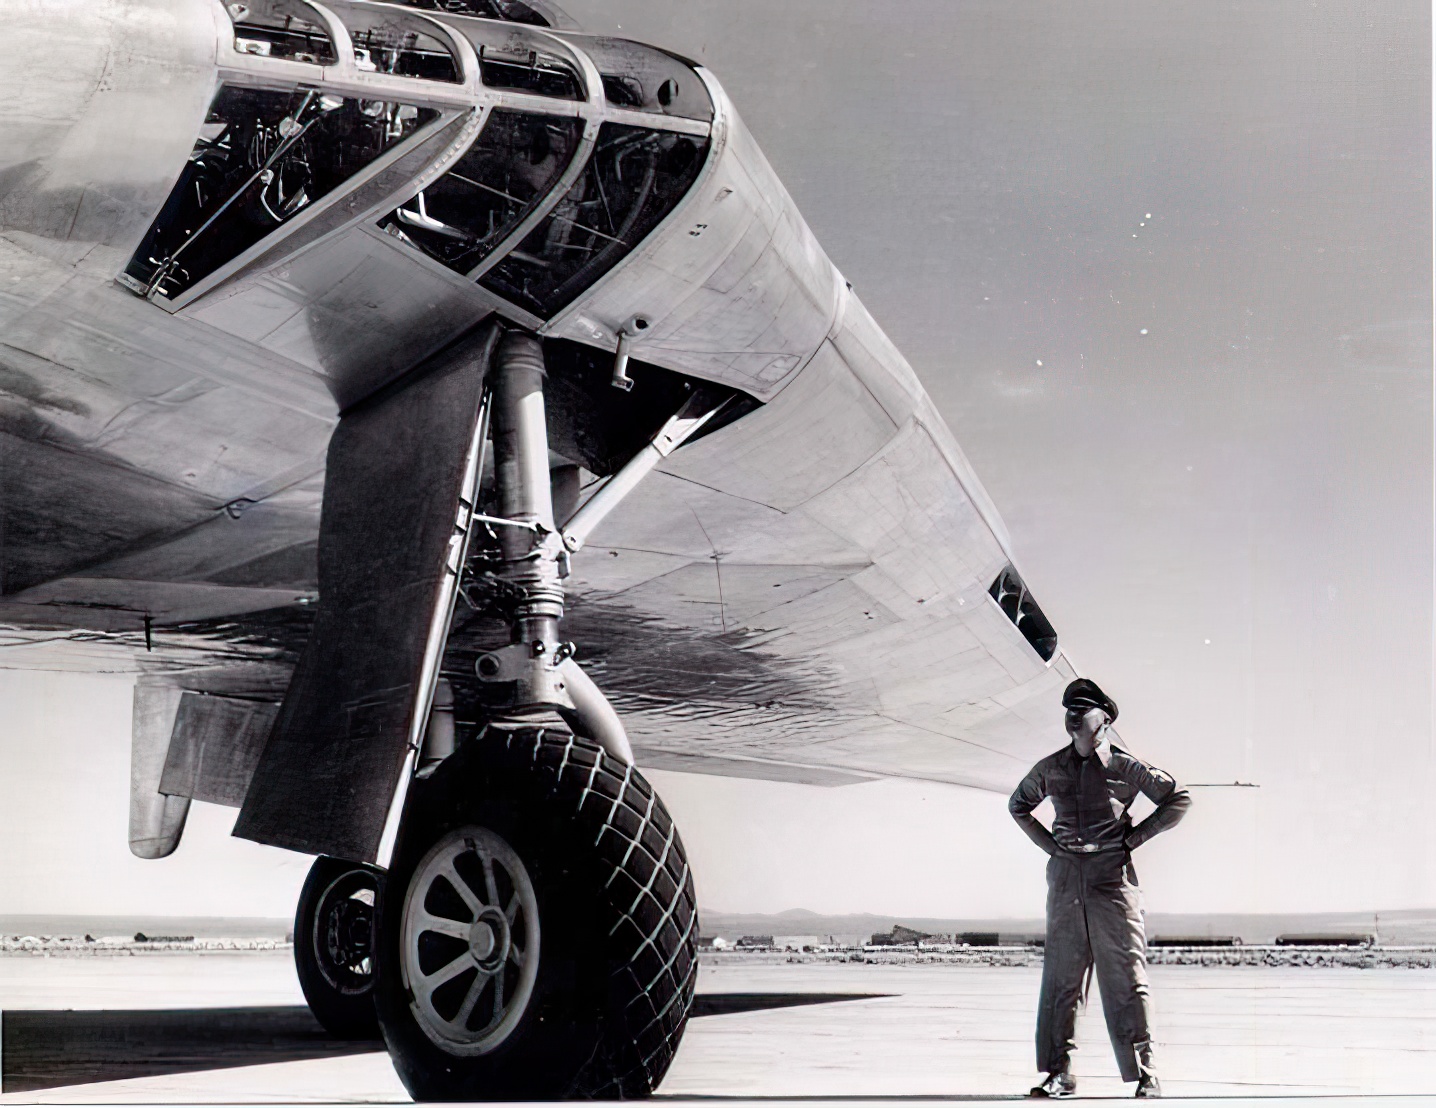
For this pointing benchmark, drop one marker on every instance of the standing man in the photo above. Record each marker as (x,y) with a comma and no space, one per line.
(1094,913)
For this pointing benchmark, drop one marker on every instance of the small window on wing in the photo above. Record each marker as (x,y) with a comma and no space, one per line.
(262,158)
(633,179)
(465,214)
(281,29)
(1013,598)
(387,40)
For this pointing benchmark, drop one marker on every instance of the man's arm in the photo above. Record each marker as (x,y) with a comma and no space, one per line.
(1029,794)
(1161,789)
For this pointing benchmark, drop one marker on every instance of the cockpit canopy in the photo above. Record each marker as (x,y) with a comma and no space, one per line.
(584,144)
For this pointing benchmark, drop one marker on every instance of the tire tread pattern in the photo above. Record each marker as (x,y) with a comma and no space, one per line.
(651,904)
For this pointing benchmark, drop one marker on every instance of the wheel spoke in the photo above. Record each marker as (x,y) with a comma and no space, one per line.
(489,883)
(450,971)
(502,899)
(471,998)
(441,925)
(461,887)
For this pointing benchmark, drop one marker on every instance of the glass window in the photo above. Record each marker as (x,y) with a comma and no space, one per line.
(1013,598)
(262,157)
(281,29)
(392,41)
(461,217)
(632,181)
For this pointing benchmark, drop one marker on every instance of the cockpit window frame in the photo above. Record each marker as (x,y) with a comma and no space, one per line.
(468,98)
(266,244)
(360,12)
(238,10)
(595,111)
(618,59)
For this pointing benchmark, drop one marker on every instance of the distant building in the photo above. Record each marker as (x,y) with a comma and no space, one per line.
(720,943)
(1326,939)
(756,942)
(797,942)
(899,936)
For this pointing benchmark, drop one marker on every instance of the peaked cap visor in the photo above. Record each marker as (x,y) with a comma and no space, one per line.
(1085,693)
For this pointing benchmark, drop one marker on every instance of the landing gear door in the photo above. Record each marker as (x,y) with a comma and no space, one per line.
(395,473)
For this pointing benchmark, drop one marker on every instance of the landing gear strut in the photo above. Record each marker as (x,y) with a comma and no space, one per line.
(537,934)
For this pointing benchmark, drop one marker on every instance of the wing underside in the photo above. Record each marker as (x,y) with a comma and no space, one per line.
(813,592)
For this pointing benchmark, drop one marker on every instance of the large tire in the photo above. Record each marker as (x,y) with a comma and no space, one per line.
(333,939)
(585,864)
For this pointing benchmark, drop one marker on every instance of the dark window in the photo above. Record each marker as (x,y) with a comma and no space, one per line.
(262,158)
(532,71)
(632,181)
(626,92)
(462,216)
(510,11)
(281,29)
(1014,599)
(390,41)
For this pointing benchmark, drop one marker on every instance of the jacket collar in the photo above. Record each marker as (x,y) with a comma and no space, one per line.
(1103,750)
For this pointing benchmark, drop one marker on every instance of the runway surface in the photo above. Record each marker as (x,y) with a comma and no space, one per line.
(231,1027)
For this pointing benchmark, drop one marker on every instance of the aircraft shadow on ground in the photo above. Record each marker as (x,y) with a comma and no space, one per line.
(51,1049)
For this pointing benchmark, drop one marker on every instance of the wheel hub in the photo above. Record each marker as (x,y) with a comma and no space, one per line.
(348,933)
(489,939)
(343,932)
(470,941)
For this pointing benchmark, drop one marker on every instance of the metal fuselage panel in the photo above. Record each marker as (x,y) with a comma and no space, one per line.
(129,425)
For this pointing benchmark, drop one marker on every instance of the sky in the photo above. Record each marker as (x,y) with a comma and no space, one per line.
(1166,270)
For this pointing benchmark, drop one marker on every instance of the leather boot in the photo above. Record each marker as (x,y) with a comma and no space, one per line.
(1148,1087)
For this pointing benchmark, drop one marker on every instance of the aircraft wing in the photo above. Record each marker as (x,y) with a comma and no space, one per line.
(819,591)
(808,594)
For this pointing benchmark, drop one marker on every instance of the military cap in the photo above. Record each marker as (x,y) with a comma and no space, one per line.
(1084,693)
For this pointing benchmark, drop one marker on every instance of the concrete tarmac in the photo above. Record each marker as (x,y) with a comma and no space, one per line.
(147,1029)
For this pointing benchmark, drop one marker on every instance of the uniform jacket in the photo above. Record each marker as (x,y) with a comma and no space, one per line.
(1091,797)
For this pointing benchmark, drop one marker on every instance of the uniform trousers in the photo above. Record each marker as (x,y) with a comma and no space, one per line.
(1094,918)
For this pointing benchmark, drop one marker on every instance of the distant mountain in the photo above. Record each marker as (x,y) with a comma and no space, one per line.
(1407,927)
(849,929)
(1416,926)
(101,926)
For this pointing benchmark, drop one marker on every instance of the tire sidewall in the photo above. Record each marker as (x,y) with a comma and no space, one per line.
(345,1015)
